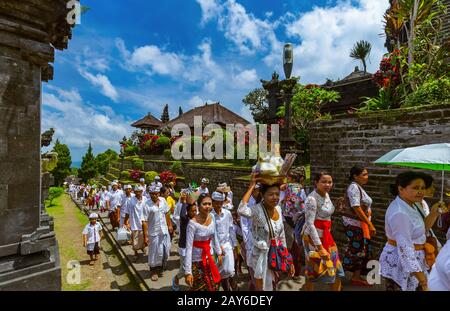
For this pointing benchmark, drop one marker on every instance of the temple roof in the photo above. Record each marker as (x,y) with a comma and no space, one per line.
(210,113)
(148,121)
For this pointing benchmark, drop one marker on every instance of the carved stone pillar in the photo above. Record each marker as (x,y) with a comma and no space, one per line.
(29,32)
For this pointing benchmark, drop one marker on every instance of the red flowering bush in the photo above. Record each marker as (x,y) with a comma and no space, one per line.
(389,74)
(168,176)
(135,174)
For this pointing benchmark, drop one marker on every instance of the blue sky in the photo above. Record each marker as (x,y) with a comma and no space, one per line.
(128,58)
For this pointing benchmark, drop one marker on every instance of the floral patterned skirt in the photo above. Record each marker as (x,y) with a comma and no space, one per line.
(319,270)
(358,252)
(202,278)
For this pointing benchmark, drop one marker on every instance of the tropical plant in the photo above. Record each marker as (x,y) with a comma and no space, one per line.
(150,176)
(138,164)
(429,93)
(307,103)
(176,167)
(168,153)
(163,142)
(125,175)
(361,51)
(131,150)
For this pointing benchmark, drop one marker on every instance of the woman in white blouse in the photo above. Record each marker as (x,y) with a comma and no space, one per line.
(322,258)
(200,268)
(358,229)
(403,260)
(264,277)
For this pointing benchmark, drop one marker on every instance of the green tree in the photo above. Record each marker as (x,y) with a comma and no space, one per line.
(361,51)
(53,193)
(62,169)
(180,111)
(104,159)
(88,169)
(165,115)
(257,102)
(307,103)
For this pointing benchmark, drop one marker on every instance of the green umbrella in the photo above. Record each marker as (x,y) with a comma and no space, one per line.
(434,157)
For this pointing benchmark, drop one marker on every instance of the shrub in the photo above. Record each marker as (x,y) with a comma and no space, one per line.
(150,176)
(125,175)
(168,176)
(176,167)
(429,93)
(131,150)
(163,142)
(168,153)
(138,164)
(53,193)
(135,175)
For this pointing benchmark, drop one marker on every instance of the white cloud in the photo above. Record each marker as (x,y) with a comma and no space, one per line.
(94,60)
(210,9)
(246,79)
(247,114)
(326,35)
(152,59)
(103,82)
(77,123)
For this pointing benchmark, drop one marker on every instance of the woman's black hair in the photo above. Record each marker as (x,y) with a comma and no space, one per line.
(202,197)
(404,180)
(264,188)
(428,179)
(162,190)
(356,171)
(319,175)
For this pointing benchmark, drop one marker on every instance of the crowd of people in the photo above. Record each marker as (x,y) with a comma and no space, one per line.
(276,229)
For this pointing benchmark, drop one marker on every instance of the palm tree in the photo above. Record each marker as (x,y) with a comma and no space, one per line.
(361,51)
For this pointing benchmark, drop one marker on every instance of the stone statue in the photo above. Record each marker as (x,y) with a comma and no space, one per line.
(49,160)
(288,60)
(46,137)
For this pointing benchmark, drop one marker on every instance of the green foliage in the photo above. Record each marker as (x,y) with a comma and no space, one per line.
(62,169)
(125,175)
(138,164)
(103,160)
(163,142)
(176,167)
(150,176)
(88,168)
(74,171)
(131,150)
(165,114)
(429,93)
(382,102)
(53,193)
(306,105)
(257,102)
(168,153)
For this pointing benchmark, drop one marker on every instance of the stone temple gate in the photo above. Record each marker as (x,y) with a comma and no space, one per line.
(30,30)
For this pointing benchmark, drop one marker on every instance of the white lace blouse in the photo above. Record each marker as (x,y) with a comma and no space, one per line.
(404,225)
(261,239)
(198,232)
(317,207)
(356,194)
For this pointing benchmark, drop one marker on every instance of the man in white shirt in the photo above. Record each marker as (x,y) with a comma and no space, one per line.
(113,205)
(104,197)
(134,215)
(157,227)
(227,240)
(157,182)
(226,190)
(142,183)
(203,187)
(125,204)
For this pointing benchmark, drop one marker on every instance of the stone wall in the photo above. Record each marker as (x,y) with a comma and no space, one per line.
(339,144)
(29,32)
